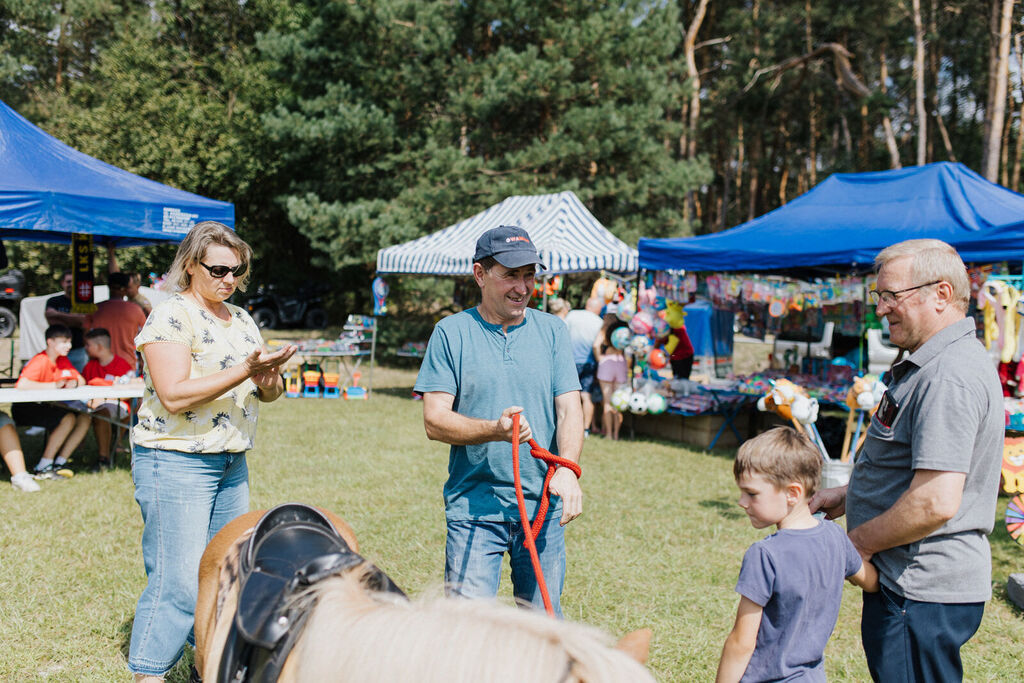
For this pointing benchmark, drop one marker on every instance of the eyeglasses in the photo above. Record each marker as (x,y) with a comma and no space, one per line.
(889,298)
(222,271)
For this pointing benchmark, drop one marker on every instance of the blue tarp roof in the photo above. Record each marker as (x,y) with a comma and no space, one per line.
(849,217)
(568,237)
(49,191)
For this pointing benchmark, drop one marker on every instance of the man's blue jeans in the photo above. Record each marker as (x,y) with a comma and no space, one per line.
(907,640)
(185,499)
(474,551)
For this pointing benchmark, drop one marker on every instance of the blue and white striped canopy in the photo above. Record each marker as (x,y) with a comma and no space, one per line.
(569,238)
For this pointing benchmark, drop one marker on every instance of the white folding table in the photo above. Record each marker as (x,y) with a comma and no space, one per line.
(83,394)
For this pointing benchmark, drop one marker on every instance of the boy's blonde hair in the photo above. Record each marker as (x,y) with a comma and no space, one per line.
(781,455)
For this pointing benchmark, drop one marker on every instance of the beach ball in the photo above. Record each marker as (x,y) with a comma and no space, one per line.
(626,309)
(656,404)
(656,359)
(639,344)
(621,338)
(620,399)
(637,403)
(642,323)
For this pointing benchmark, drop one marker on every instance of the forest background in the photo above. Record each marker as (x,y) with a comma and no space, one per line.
(341,126)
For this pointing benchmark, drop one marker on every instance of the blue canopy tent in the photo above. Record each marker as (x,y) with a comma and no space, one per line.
(849,217)
(48,191)
(568,237)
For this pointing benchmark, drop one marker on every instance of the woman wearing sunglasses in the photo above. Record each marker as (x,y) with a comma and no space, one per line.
(206,373)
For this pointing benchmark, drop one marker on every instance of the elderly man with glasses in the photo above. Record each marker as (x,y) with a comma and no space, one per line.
(922,497)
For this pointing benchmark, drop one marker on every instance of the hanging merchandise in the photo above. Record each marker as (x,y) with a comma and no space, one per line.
(380,291)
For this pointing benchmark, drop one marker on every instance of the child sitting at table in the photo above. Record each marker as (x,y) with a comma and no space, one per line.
(51,369)
(104,369)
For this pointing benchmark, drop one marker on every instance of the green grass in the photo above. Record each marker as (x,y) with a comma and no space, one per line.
(659,544)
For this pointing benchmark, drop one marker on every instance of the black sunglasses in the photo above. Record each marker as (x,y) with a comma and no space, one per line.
(222,271)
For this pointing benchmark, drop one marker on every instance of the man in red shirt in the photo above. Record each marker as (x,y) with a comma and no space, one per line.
(51,369)
(104,368)
(122,319)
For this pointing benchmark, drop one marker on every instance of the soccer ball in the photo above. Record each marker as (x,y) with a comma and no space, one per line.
(637,403)
(620,399)
(656,404)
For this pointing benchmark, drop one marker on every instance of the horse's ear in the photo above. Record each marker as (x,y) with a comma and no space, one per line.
(636,644)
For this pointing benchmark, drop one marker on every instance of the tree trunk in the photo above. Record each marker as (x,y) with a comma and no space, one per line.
(890,138)
(812,149)
(922,113)
(1015,175)
(995,117)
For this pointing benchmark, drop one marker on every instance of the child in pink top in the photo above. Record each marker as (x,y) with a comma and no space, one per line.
(611,374)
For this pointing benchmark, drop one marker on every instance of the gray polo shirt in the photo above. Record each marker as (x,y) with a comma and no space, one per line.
(951,419)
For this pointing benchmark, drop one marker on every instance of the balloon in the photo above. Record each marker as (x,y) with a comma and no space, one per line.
(626,309)
(656,358)
(642,323)
(661,328)
(621,338)
(640,344)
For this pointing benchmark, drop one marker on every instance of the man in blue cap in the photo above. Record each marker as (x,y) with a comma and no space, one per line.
(481,367)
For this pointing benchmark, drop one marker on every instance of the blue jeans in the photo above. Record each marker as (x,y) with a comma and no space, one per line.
(473,554)
(185,499)
(908,640)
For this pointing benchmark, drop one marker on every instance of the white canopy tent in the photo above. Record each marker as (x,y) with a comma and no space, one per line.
(569,238)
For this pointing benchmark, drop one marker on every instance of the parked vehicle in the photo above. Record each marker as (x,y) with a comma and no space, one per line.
(273,310)
(12,289)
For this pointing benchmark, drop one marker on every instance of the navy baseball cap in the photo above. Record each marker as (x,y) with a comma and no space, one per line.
(510,246)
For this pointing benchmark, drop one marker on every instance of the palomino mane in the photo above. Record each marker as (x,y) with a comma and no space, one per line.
(356,635)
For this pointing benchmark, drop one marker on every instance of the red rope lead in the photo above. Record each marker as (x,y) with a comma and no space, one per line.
(531,531)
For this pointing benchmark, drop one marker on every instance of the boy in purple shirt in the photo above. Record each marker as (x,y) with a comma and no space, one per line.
(791,583)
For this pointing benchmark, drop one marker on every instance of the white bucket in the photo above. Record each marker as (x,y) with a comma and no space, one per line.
(835,473)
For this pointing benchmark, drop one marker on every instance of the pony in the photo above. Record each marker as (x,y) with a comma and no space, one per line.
(355,631)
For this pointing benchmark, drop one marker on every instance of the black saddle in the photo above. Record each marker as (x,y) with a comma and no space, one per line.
(292,547)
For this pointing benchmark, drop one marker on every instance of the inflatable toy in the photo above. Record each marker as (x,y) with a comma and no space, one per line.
(621,338)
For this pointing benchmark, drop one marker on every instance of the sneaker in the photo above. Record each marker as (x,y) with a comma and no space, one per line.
(54,472)
(24,482)
(63,470)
